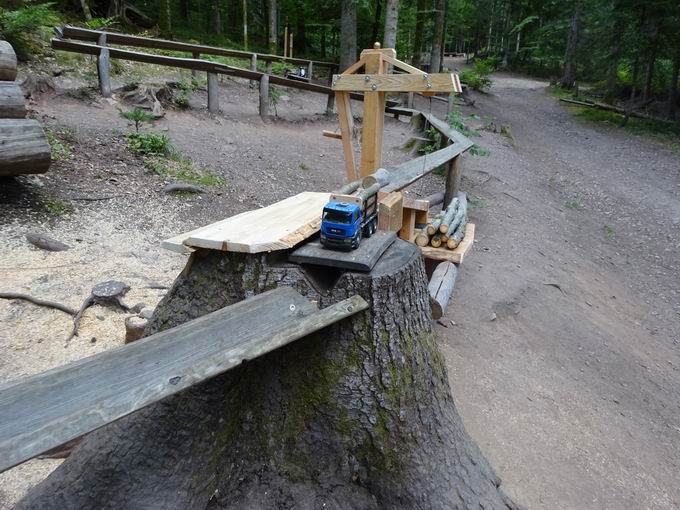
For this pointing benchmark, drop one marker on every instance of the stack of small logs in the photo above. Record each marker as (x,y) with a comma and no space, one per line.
(447,229)
(24,148)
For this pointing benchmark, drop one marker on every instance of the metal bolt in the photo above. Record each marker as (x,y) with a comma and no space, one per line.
(350,308)
(425,76)
(292,308)
(367,78)
(334,83)
(374,87)
(429,85)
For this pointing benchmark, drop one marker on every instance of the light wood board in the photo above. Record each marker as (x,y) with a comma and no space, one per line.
(279,226)
(440,82)
(43,411)
(456,256)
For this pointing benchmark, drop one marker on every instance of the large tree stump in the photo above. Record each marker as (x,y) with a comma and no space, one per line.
(357,416)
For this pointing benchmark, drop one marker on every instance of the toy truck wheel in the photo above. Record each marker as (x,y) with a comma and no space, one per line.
(357,240)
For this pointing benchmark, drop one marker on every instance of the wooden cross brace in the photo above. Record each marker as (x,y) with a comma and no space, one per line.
(374,84)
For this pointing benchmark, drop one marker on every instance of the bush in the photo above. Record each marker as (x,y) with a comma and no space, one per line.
(146,144)
(28,29)
(478,77)
(138,116)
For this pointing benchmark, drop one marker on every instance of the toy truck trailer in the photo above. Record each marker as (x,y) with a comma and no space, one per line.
(348,218)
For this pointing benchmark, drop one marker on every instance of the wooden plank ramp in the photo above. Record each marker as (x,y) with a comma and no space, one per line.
(278,226)
(43,411)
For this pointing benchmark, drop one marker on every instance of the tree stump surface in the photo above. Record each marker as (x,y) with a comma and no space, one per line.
(358,415)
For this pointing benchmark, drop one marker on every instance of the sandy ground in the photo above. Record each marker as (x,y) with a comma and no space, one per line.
(562,337)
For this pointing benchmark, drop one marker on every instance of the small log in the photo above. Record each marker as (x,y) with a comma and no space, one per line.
(457,236)
(452,244)
(104,67)
(8,62)
(24,148)
(444,238)
(435,198)
(45,242)
(12,102)
(422,239)
(609,108)
(264,97)
(182,187)
(436,241)
(441,288)
(457,219)
(449,214)
(380,176)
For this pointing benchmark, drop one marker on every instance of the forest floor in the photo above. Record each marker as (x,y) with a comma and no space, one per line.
(562,339)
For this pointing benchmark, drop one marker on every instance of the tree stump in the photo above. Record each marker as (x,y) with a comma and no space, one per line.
(359,415)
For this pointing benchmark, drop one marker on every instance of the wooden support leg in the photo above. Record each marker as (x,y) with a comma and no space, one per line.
(374,119)
(104,68)
(453,177)
(411,97)
(330,104)
(194,72)
(264,97)
(309,71)
(346,128)
(408,224)
(213,94)
(269,67)
(253,67)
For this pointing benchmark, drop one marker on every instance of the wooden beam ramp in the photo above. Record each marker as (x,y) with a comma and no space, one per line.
(43,411)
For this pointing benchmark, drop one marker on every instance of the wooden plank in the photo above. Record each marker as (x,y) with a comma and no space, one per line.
(440,82)
(456,256)
(24,148)
(402,65)
(353,68)
(346,121)
(390,212)
(361,259)
(279,226)
(12,102)
(441,286)
(416,204)
(8,62)
(41,412)
(374,117)
(84,34)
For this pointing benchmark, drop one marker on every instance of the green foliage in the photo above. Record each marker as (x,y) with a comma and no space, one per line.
(573,204)
(274,98)
(478,77)
(435,142)
(179,168)
(61,150)
(101,23)
(28,28)
(139,116)
(57,207)
(150,143)
(608,231)
(476,150)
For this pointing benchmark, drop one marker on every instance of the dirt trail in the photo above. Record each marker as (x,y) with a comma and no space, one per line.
(565,353)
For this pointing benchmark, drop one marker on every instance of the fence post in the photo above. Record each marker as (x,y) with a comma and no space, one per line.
(453,176)
(411,97)
(264,97)
(253,67)
(194,72)
(309,71)
(103,67)
(213,93)
(330,104)
(269,67)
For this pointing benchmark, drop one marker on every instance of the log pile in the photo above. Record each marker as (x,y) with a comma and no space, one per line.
(447,229)
(24,148)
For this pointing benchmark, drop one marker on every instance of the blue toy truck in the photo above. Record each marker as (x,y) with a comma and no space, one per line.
(344,221)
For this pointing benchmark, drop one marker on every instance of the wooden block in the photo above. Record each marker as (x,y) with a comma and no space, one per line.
(408,224)
(441,286)
(362,259)
(456,256)
(24,148)
(421,217)
(440,82)
(390,211)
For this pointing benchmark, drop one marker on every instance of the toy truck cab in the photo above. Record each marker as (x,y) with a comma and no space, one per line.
(344,223)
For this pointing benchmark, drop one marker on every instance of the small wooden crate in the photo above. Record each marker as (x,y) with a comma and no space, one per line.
(456,256)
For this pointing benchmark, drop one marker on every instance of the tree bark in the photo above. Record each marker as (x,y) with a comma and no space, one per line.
(391,20)
(8,62)
(300,42)
(348,33)
(418,37)
(651,59)
(12,101)
(185,12)
(614,55)
(377,14)
(273,31)
(673,92)
(24,148)
(359,415)
(438,37)
(216,17)
(164,23)
(569,76)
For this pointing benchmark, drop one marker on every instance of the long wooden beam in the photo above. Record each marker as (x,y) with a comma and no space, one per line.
(43,411)
(84,34)
(440,82)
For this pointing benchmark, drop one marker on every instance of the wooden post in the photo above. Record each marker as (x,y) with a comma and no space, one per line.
(453,178)
(309,71)
(103,68)
(269,67)
(290,48)
(347,129)
(330,104)
(213,93)
(194,72)
(411,97)
(285,41)
(264,97)
(253,67)
(374,115)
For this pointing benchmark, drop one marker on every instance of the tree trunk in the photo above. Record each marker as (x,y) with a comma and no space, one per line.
(359,415)
(391,20)
(185,12)
(651,59)
(418,37)
(569,76)
(348,33)
(438,36)
(24,148)
(216,17)
(614,55)
(376,21)
(164,23)
(673,92)
(273,31)
(300,41)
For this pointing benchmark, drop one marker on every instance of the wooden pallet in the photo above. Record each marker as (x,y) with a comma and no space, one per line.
(456,256)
